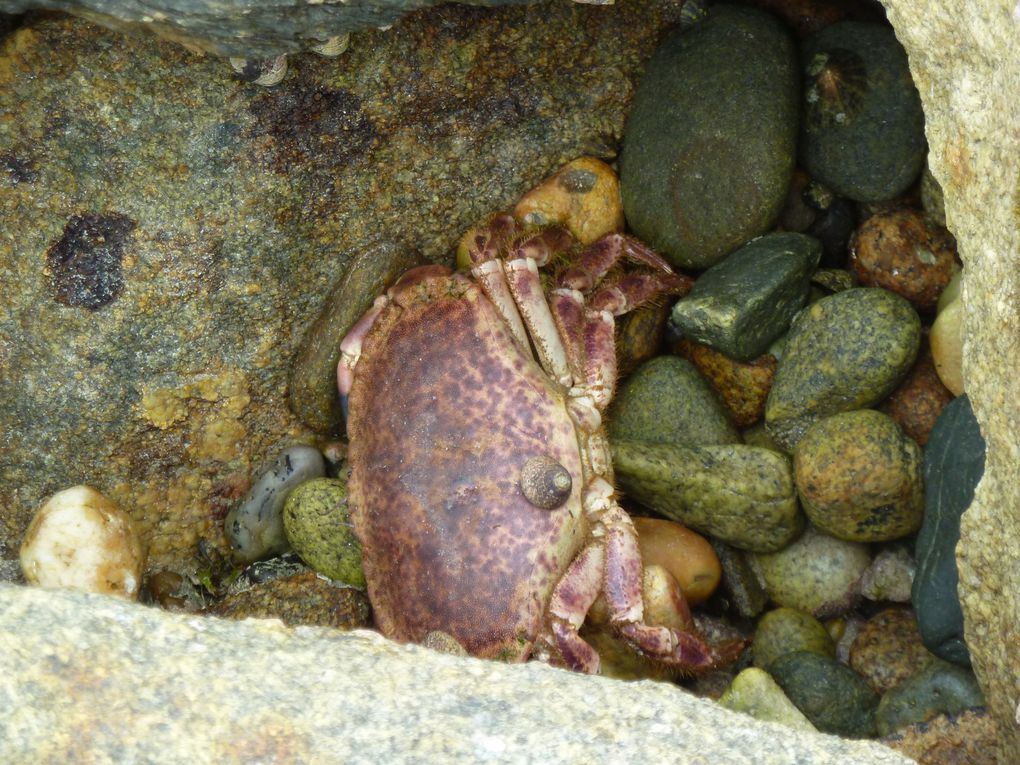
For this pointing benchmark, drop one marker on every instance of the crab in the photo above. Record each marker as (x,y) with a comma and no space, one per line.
(481,484)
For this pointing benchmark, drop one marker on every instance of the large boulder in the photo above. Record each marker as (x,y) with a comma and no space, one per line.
(964,64)
(170,233)
(85,678)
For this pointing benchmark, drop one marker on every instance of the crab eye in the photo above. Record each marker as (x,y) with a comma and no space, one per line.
(545,482)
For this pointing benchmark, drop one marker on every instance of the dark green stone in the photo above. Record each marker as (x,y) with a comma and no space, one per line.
(847,351)
(740,586)
(668,401)
(939,688)
(740,305)
(863,129)
(954,461)
(831,695)
(740,494)
(709,145)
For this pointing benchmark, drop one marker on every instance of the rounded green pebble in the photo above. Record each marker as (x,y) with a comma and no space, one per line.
(668,401)
(785,630)
(318,524)
(831,695)
(847,351)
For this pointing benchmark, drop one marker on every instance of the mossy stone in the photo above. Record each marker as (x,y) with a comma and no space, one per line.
(318,524)
(954,461)
(785,630)
(668,401)
(743,303)
(817,573)
(710,142)
(938,688)
(863,129)
(740,494)
(847,351)
(859,477)
(831,695)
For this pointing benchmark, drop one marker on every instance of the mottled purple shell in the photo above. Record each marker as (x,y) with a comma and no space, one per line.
(445,410)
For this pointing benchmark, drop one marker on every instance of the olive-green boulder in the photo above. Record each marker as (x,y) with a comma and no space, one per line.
(710,143)
(743,495)
(859,477)
(785,630)
(847,351)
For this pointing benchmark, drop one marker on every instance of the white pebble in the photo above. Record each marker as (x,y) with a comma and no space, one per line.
(80,540)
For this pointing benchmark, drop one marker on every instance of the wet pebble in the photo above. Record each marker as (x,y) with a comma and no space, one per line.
(946,341)
(954,461)
(940,687)
(255,526)
(583,195)
(817,573)
(862,133)
(755,693)
(785,630)
(317,522)
(668,401)
(743,303)
(888,649)
(740,494)
(847,351)
(302,598)
(859,477)
(684,553)
(919,400)
(831,695)
(81,540)
(696,182)
(740,589)
(890,575)
(742,386)
(902,252)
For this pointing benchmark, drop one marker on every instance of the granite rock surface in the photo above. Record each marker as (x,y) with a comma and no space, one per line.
(965,68)
(240,692)
(173,232)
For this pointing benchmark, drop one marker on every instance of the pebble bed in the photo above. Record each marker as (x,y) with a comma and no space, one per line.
(794,439)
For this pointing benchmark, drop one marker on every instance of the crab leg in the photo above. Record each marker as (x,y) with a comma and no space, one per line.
(602,255)
(571,600)
(623,585)
(635,290)
(526,287)
(350,349)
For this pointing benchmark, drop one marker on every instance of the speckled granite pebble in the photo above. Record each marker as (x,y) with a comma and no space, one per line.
(847,351)
(888,649)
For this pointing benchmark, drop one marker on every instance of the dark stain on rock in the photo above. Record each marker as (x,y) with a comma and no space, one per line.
(313,124)
(18,169)
(84,266)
